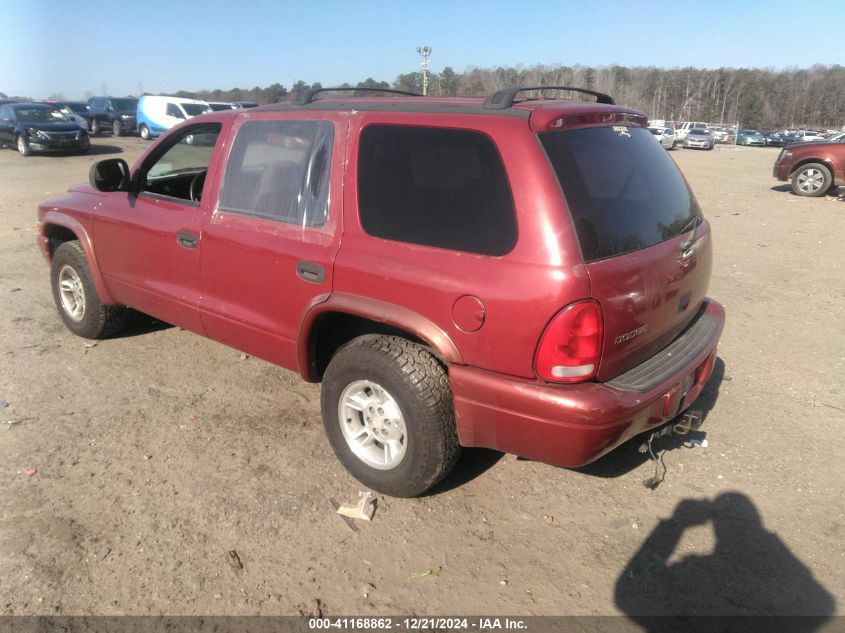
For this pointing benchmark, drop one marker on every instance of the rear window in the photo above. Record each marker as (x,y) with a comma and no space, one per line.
(435,186)
(623,191)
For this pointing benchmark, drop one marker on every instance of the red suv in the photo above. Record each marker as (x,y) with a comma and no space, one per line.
(812,167)
(525,275)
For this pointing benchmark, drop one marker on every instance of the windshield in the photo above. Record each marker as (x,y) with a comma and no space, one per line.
(40,115)
(655,130)
(622,189)
(125,105)
(698,130)
(194,109)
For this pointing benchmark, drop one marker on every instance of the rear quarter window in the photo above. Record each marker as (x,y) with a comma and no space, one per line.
(623,191)
(438,187)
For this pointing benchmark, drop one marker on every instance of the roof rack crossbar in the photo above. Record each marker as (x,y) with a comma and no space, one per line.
(308,96)
(504,99)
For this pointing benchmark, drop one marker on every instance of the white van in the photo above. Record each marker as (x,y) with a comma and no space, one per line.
(156,115)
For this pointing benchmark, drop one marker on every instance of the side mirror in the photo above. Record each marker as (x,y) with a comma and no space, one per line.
(109,175)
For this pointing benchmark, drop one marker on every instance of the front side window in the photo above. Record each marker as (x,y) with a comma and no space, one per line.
(438,187)
(180,171)
(280,170)
(174,111)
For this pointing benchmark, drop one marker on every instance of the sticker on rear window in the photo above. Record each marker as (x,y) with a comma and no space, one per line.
(621,130)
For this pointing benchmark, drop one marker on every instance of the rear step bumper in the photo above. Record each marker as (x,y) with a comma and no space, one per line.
(572,425)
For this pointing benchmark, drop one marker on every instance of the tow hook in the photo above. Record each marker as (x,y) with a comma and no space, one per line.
(690,421)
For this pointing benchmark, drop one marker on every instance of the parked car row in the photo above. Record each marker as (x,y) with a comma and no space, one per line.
(48,125)
(748,137)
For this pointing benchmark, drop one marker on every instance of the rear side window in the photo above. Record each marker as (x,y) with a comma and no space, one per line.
(280,170)
(623,191)
(435,186)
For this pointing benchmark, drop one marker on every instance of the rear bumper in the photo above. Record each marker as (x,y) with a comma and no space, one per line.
(572,425)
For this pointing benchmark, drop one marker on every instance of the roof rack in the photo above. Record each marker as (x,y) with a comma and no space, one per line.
(308,96)
(504,99)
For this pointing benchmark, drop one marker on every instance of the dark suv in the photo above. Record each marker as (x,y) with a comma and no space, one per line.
(112,113)
(524,275)
(812,167)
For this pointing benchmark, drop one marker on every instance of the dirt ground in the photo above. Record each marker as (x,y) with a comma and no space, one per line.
(159,452)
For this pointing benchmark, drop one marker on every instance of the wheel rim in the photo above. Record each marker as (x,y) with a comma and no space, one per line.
(72,293)
(22,145)
(810,180)
(373,425)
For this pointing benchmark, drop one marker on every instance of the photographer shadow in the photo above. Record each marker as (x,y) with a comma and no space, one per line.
(750,573)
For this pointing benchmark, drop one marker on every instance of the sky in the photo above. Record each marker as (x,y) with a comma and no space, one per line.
(74,47)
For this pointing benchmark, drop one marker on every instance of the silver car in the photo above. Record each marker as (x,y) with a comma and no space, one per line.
(699,138)
(665,136)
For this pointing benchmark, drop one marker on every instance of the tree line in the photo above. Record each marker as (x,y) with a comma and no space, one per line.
(754,98)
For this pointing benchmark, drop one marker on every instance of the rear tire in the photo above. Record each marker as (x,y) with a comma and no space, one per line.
(387,409)
(76,296)
(144,131)
(812,180)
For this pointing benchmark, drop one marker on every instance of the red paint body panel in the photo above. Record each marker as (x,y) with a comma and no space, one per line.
(521,291)
(566,425)
(654,287)
(252,297)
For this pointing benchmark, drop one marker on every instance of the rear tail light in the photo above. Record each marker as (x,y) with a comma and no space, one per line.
(570,348)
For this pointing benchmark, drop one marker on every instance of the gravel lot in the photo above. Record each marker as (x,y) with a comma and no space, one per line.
(159,452)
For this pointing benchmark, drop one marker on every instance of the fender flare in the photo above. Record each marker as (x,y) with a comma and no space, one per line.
(374,310)
(56,218)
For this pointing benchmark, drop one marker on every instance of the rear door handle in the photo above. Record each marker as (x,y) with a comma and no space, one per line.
(186,239)
(312,272)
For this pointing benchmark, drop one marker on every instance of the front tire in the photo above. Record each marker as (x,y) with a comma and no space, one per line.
(23,146)
(76,296)
(117,128)
(95,126)
(387,409)
(812,180)
(144,131)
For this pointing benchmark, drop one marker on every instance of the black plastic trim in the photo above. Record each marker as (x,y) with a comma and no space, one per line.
(504,99)
(308,96)
(672,358)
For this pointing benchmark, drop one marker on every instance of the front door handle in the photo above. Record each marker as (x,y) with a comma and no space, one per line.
(312,272)
(186,239)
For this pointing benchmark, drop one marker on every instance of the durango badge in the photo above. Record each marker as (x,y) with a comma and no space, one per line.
(629,335)
(621,130)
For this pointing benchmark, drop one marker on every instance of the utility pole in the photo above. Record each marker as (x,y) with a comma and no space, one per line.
(425,51)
